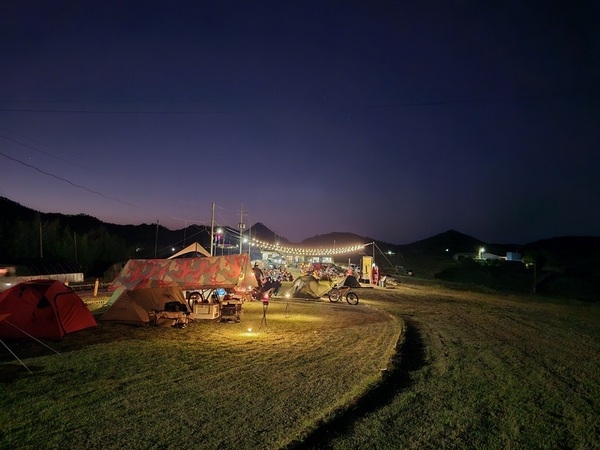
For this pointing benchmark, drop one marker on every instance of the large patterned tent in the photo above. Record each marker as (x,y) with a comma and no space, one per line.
(146,285)
(187,273)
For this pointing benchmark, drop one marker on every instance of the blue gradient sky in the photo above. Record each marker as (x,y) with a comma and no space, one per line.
(390,120)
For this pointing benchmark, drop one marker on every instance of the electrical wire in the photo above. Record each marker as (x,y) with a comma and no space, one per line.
(67,181)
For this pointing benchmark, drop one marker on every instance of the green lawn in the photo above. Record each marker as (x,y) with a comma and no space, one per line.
(486,371)
(210,385)
(475,370)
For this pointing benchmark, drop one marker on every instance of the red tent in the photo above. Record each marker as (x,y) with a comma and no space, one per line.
(44,309)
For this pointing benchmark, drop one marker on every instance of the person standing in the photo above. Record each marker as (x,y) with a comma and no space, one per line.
(258,274)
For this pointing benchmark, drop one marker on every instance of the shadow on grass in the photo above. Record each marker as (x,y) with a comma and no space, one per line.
(31,348)
(10,372)
(409,358)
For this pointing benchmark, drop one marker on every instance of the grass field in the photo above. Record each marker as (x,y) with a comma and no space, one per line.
(210,385)
(474,370)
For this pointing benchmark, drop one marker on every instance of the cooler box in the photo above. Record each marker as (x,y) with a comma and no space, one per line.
(206,311)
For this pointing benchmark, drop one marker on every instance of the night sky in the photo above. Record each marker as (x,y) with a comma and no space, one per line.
(392,120)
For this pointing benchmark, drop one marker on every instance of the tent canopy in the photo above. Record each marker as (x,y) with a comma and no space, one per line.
(187,273)
(192,248)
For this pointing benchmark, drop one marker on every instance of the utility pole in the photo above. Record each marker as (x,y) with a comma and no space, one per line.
(41,244)
(249,241)
(212,231)
(242,225)
(156,240)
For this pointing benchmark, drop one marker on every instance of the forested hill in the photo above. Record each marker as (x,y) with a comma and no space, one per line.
(95,245)
(562,262)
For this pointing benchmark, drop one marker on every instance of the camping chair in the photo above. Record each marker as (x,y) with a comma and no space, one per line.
(231,311)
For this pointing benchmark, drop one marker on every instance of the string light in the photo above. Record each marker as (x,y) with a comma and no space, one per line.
(308,251)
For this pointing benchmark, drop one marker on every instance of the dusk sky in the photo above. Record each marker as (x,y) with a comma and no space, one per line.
(393,120)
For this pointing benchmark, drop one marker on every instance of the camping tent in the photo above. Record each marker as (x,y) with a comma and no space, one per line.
(44,309)
(193,249)
(135,307)
(309,286)
(148,284)
(350,281)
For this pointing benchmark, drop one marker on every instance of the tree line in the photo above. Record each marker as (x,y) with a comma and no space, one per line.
(94,250)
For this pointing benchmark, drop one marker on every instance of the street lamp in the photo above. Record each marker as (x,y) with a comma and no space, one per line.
(218,239)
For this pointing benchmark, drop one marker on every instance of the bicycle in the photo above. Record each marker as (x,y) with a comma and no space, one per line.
(339,292)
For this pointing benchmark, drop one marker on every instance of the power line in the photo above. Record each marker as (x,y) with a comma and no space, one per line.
(85,168)
(67,181)
(42,152)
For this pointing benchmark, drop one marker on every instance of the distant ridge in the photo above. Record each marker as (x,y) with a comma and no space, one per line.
(335,239)
(452,240)
(263,233)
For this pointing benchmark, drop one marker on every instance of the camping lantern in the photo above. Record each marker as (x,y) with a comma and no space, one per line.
(265,303)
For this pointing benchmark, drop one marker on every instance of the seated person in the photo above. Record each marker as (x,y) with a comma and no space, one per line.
(268,285)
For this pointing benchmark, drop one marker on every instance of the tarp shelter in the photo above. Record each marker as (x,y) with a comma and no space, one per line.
(192,249)
(162,280)
(186,273)
(43,309)
(307,285)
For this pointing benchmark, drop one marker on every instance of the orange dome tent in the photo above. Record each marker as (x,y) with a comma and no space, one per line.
(43,309)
